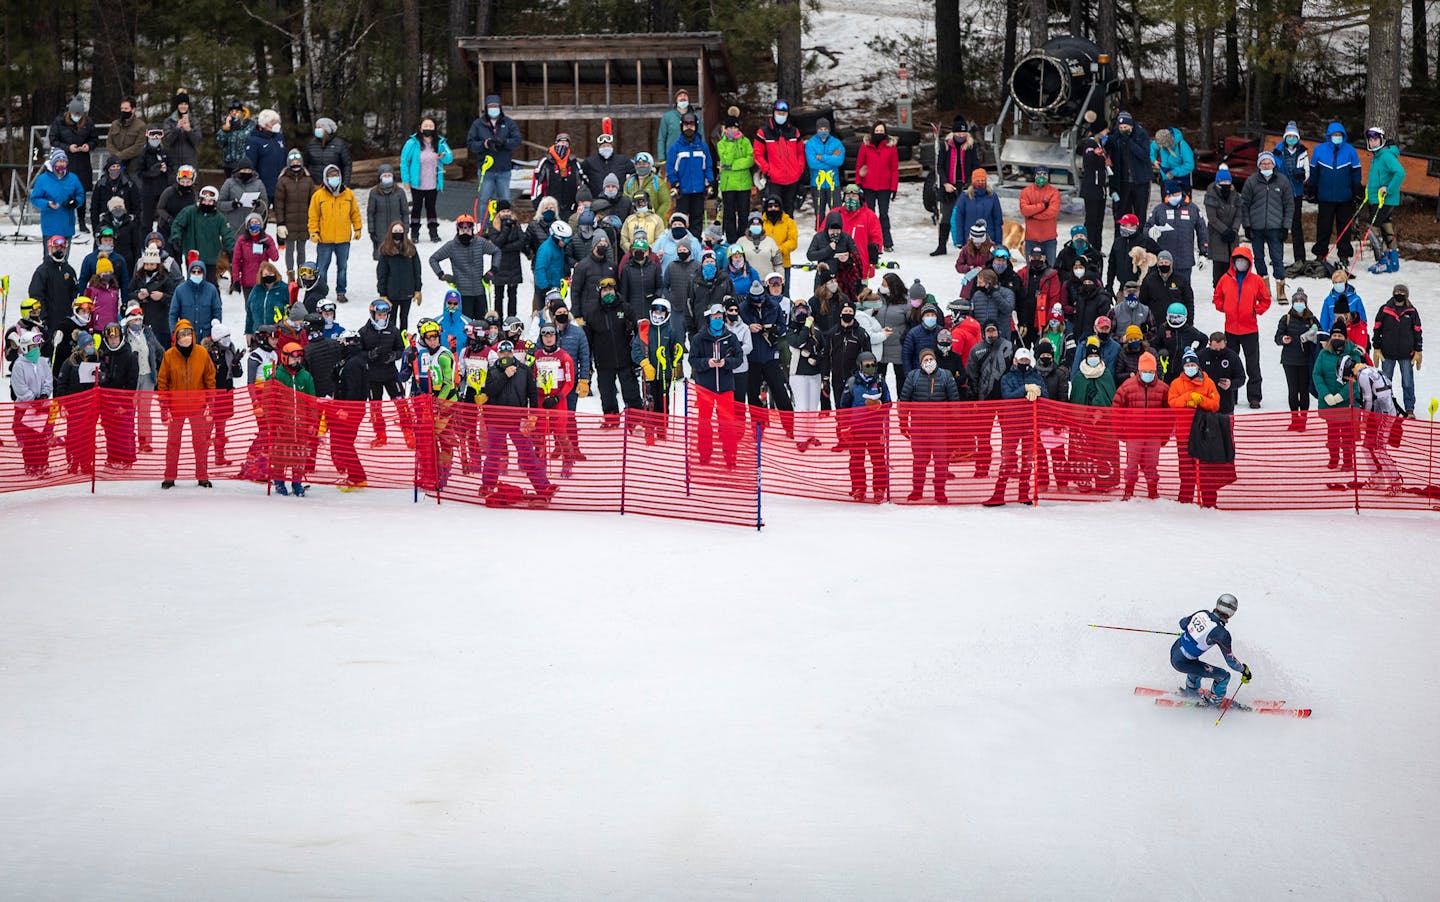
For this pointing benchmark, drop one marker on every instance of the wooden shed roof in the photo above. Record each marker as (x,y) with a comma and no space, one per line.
(683,49)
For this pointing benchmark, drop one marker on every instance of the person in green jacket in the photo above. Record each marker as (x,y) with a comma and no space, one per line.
(289,417)
(736,157)
(201,228)
(1382,191)
(1335,398)
(1094,448)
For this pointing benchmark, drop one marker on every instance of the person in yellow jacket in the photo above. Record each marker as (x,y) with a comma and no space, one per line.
(334,223)
(780,227)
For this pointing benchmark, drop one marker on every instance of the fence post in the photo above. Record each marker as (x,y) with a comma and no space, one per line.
(95,435)
(1355,445)
(686,449)
(435,446)
(1035,450)
(886,462)
(759,434)
(624,454)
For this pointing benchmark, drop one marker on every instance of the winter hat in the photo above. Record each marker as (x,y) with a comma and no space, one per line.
(927,352)
(1147,362)
(1132,284)
(979,178)
(1400,288)
(58,156)
(151,255)
(756,217)
(1165,257)
(917,291)
(1057,311)
(294,154)
(822,123)
(960,125)
(384,168)
(1338,329)
(1189,355)
(1124,119)
(978,230)
(1342,304)
(833,220)
(611,180)
(1290,129)
(325,124)
(134,312)
(219,332)
(943,336)
(115,204)
(679,217)
(181,96)
(583,194)
(1266,155)
(103,265)
(1133,333)
(1222,177)
(732,117)
(1078,231)
(1299,295)
(1174,187)
(1023,355)
(297,311)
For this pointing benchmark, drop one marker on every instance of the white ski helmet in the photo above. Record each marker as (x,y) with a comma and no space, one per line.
(561,230)
(1225,607)
(659,311)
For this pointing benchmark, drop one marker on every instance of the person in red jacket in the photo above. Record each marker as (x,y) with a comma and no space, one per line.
(554,377)
(877,170)
(780,155)
(1040,205)
(1243,297)
(861,224)
(1148,429)
(1042,291)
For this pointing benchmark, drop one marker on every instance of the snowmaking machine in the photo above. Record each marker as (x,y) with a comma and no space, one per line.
(1055,92)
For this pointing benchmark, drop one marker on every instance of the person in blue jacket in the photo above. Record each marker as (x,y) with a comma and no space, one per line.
(452,323)
(494,135)
(1172,155)
(768,328)
(195,299)
(1334,185)
(1341,287)
(917,339)
(429,145)
(1022,382)
(862,428)
(690,169)
(977,204)
(824,155)
(1202,631)
(266,149)
(550,258)
(1293,158)
(57,194)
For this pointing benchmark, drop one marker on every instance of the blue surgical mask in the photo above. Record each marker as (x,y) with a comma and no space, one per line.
(716,327)
(1337,138)
(320,133)
(1147,377)
(1299,306)
(493,112)
(1192,370)
(1175,200)
(1291,140)
(1000,266)
(707,270)
(756,230)
(196,278)
(781,118)
(929,321)
(333,181)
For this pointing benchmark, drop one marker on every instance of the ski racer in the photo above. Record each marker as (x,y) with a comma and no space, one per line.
(1201,631)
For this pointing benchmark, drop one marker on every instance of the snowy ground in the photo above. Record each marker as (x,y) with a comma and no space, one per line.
(279,713)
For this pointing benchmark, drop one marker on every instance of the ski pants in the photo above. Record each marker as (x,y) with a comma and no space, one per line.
(1297,231)
(1134,198)
(1297,386)
(1333,217)
(716,411)
(1249,347)
(605,380)
(1195,671)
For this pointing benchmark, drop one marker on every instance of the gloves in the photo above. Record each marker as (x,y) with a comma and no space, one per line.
(1310,334)
(416,298)
(550,402)
(447,278)
(489,275)
(71,204)
(282,233)
(234,205)
(1415,360)
(314,239)
(1032,392)
(648,369)
(1381,194)
(1378,356)
(1195,399)
(1333,400)
(1154,232)
(356,236)
(582,388)
(1245,674)
(1229,236)
(373,354)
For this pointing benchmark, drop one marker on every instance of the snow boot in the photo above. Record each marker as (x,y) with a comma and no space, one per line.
(279,486)
(434,233)
(1394,258)
(1280,294)
(1381,264)
(414,233)
(914,495)
(298,490)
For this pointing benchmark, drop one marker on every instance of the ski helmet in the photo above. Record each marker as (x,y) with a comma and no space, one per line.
(514,325)
(427,328)
(659,311)
(1225,607)
(561,230)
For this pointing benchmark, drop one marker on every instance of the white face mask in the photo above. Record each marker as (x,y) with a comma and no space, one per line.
(928,365)
(387,180)
(493,112)
(606,151)
(682,105)
(1079,273)
(1267,173)
(1192,370)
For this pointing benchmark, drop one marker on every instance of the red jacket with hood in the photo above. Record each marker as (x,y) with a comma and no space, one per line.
(1242,301)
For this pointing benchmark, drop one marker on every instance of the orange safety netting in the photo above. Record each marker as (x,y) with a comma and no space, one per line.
(709,459)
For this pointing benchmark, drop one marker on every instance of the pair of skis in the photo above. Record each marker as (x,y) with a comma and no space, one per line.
(1172,698)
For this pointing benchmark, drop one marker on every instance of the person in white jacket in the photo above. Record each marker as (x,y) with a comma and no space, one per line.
(1378,398)
(32,384)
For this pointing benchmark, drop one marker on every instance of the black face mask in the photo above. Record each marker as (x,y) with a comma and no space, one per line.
(562,318)
(683,254)
(465,237)
(772,215)
(731,317)
(1337,344)
(398,236)
(1046,360)
(598,252)
(1164,270)
(428,132)
(846,318)
(268,279)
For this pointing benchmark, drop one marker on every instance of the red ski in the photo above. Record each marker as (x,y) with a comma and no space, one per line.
(1177,694)
(1237,706)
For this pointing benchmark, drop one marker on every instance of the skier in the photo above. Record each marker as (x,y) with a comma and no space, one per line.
(1202,630)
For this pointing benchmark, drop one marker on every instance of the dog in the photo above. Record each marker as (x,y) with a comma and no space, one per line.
(1012,235)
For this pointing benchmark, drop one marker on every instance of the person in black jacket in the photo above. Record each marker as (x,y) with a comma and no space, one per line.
(925,426)
(119,370)
(832,247)
(1122,266)
(507,272)
(113,183)
(1094,185)
(352,387)
(322,357)
(1297,334)
(229,363)
(397,273)
(609,328)
(1129,150)
(1399,340)
(639,281)
(54,285)
(955,162)
(588,273)
(1225,367)
(380,341)
(154,173)
(709,285)
(327,149)
(175,198)
(74,132)
(510,393)
(715,352)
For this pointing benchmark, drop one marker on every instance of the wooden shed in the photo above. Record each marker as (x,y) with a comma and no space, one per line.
(551,83)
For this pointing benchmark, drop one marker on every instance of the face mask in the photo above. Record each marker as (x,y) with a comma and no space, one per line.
(716,327)
(295,164)
(682,254)
(1092,359)
(1164,270)
(107,247)
(1132,299)
(598,251)
(1042,180)
(1103,336)
(991,339)
(1175,321)
(125,115)
(1078,272)
(1337,344)
(1400,300)
(612,193)
(642,170)
(1126,231)
(731,317)
(60,171)
(1047,360)
(781,118)
(328,319)
(607,298)
(153,142)
(832,286)
(847,318)
(253,228)
(928,365)
(1056,325)
(82,316)
(606,151)
(135,326)
(1299,306)
(1267,173)
(1081,245)
(320,133)
(57,255)
(1191,370)
(852,203)
(1291,141)
(757,230)
(682,105)
(1000,266)
(1175,199)
(929,321)
(1242,265)
(196,278)
(1225,190)
(427,132)
(1337,139)
(493,112)
(642,206)
(1134,345)
(707,270)
(268,279)
(387,180)
(32,354)
(868,371)
(548,216)
(465,237)
(333,181)
(398,236)
(1147,377)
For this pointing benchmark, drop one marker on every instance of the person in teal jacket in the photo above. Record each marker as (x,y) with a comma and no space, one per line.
(422,166)
(1172,155)
(1382,191)
(824,155)
(266,306)
(1335,397)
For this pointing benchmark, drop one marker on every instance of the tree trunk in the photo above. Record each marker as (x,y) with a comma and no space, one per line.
(113,27)
(1205,55)
(949,67)
(1182,66)
(789,62)
(1077,18)
(664,16)
(460,101)
(1012,37)
(262,68)
(410,84)
(1419,46)
(1382,95)
(1232,51)
(48,94)
(1039,23)
(1105,30)
(1137,52)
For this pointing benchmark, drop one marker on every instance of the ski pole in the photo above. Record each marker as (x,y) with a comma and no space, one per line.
(1131,629)
(1228,702)
(1430,457)
(1360,249)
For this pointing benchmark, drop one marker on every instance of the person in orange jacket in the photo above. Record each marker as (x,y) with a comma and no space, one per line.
(1040,205)
(186,383)
(1144,432)
(1191,390)
(1244,297)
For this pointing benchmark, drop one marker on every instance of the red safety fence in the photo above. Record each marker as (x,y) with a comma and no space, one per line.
(970,453)
(436,449)
(708,459)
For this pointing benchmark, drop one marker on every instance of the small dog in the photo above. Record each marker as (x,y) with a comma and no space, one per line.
(1012,234)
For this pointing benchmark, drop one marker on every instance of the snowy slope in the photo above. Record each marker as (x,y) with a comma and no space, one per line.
(279,712)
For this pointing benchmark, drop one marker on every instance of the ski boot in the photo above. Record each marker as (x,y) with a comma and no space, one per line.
(279,486)
(298,490)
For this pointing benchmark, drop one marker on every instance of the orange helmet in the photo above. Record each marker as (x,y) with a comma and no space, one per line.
(464,218)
